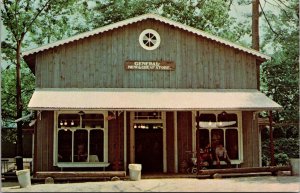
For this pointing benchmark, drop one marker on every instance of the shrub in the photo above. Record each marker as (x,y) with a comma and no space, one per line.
(284,149)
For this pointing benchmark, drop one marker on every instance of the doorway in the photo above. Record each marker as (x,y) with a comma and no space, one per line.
(149,146)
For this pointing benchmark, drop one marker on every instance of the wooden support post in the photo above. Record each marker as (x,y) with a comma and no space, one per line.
(271,140)
(117,163)
(197,132)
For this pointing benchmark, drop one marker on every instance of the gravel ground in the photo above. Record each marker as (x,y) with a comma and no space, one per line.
(241,184)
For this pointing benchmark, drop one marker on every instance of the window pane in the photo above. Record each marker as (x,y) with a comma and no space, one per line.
(228,120)
(232,143)
(96,145)
(147,115)
(80,145)
(68,120)
(207,120)
(217,137)
(203,137)
(64,146)
(92,121)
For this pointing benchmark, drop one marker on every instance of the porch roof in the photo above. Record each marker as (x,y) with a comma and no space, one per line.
(151,99)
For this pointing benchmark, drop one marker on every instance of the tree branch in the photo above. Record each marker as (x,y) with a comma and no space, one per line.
(269,24)
(16,19)
(284,4)
(6,9)
(34,18)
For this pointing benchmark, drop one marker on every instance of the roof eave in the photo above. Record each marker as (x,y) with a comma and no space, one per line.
(141,18)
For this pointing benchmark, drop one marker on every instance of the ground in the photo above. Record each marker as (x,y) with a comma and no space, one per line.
(240,184)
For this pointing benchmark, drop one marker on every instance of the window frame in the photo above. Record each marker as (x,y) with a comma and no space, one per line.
(238,128)
(78,164)
(155,34)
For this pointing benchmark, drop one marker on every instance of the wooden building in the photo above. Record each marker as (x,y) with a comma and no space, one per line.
(144,90)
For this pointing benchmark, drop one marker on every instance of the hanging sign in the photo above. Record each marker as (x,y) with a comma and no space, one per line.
(149,65)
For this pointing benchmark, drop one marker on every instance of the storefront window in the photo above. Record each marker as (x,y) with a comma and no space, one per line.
(96,145)
(217,137)
(203,138)
(80,138)
(68,120)
(92,121)
(232,143)
(220,128)
(80,145)
(147,115)
(64,146)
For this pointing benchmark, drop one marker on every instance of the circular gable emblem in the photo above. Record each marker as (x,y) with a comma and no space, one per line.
(149,39)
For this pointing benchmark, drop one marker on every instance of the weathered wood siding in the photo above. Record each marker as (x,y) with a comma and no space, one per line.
(184,134)
(44,132)
(127,139)
(170,142)
(116,143)
(98,62)
(250,140)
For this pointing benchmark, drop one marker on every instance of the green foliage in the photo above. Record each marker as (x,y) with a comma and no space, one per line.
(8,93)
(210,16)
(8,135)
(21,18)
(281,159)
(280,81)
(284,148)
(280,76)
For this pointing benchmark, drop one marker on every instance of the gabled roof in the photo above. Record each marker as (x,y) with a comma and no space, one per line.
(141,18)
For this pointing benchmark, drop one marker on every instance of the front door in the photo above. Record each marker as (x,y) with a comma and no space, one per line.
(149,146)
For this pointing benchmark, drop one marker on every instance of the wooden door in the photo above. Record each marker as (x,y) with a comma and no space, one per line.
(149,147)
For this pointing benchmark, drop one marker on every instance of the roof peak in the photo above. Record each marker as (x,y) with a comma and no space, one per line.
(141,18)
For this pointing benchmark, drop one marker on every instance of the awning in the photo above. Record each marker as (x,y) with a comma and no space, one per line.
(151,99)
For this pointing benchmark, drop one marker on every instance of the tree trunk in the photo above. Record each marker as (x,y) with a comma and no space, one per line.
(255,24)
(19,100)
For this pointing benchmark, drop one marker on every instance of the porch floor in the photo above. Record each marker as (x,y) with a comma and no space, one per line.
(123,175)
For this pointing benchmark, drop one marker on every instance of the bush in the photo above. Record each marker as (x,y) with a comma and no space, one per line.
(284,149)
(281,159)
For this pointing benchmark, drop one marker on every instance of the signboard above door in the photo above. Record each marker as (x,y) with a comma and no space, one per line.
(149,65)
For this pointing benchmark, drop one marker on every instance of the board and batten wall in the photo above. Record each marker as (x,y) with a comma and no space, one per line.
(251,136)
(43,142)
(98,62)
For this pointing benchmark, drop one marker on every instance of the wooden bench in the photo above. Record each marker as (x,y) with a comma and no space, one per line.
(270,169)
(235,163)
(79,175)
(103,165)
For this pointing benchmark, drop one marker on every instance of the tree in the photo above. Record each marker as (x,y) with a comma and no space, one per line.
(255,24)
(280,76)
(211,16)
(19,18)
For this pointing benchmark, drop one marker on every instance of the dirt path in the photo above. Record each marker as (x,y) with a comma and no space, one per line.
(242,184)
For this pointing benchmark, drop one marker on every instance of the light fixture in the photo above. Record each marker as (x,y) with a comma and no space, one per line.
(65,129)
(65,123)
(61,123)
(81,113)
(209,123)
(72,122)
(224,113)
